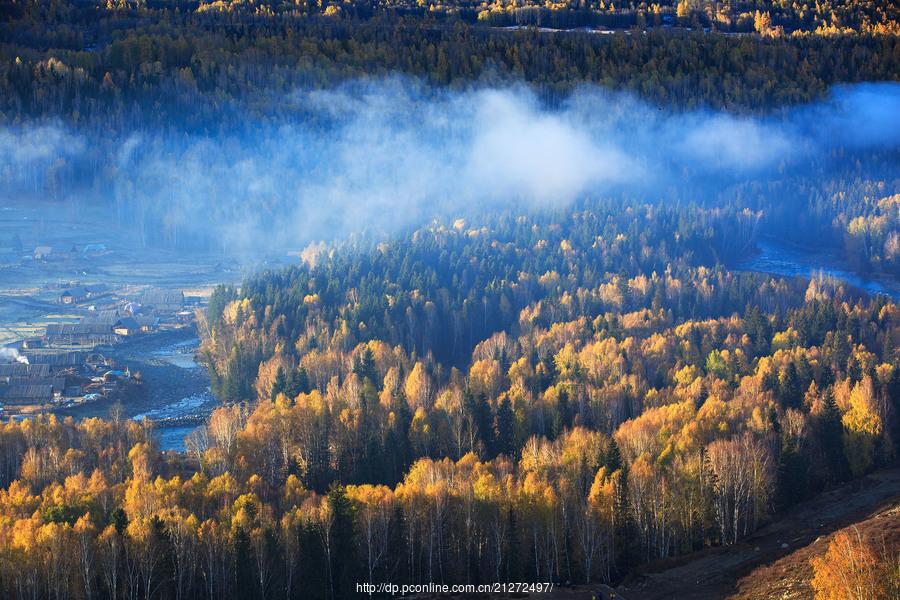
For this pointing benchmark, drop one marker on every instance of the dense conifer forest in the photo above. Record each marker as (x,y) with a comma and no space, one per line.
(177,64)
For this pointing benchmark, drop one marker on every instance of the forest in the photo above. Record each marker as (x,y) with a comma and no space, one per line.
(559,391)
(545,398)
(766,17)
(135,66)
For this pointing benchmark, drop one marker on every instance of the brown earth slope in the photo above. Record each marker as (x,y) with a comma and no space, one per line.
(790,577)
(771,564)
(774,562)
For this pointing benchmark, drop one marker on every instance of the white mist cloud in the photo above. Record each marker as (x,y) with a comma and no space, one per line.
(25,150)
(862,115)
(519,151)
(381,155)
(726,142)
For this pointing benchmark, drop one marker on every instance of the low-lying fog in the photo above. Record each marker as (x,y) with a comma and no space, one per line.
(381,155)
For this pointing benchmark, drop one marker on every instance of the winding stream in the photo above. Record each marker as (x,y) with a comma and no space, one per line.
(187,395)
(786,260)
(176,385)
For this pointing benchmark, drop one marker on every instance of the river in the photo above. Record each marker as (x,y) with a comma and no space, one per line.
(787,260)
(176,385)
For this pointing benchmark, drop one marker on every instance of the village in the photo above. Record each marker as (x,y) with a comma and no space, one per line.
(69,363)
(93,317)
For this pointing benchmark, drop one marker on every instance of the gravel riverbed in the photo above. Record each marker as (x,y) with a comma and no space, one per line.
(176,395)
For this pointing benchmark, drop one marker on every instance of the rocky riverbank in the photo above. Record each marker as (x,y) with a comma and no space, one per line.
(177,396)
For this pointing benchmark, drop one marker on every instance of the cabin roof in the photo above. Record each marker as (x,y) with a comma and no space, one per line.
(26,392)
(23,370)
(83,328)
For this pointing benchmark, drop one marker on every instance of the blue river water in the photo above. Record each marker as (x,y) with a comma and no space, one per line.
(789,261)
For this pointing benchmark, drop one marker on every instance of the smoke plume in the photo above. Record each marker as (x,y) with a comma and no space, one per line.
(11,355)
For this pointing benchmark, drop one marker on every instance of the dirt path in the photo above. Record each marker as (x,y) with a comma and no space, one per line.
(714,573)
(790,577)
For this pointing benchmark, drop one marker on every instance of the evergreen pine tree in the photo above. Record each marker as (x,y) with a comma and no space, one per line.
(562,419)
(505,428)
(344,566)
(280,383)
(832,430)
(613,458)
(244,576)
(790,390)
(297,383)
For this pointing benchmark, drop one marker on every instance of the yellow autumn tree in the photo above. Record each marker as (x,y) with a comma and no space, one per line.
(418,387)
(862,426)
(852,570)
